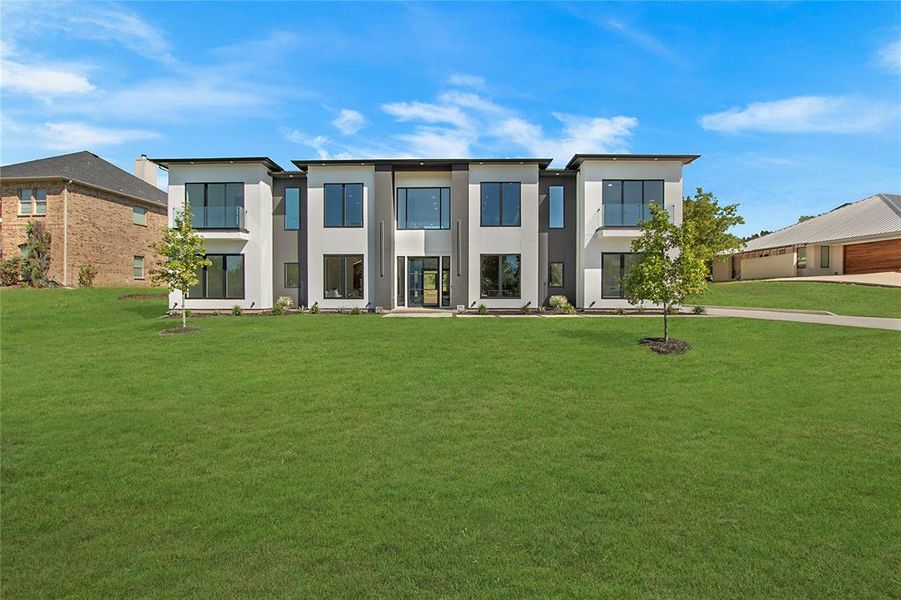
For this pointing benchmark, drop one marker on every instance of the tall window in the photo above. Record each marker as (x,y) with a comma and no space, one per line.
(824,257)
(343,204)
(216,205)
(501,204)
(627,202)
(25,201)
(423,208)
(614,269)
(292,208)
(401,281)
(500,276)
(138,267)
(223,279)
(292,275)
(139,215)
(343,276)
(802,257)
(555,206)
(555,274)
(33,201)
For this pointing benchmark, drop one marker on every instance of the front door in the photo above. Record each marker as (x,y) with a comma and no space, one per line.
(424,282)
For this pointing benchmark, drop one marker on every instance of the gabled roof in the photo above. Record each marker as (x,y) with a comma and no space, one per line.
(871,217)
(209,160)
(88,168)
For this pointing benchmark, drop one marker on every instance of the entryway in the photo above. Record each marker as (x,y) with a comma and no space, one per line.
(427,281)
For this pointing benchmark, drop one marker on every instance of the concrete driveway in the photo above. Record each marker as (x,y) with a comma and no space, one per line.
(887,279)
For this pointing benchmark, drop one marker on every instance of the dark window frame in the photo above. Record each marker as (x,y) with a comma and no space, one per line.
(644,204)
(441,216)
(500,276)
(826,255)
(562,274)
(550,209)
(802,250)
(343,293)
(203,279)
(285,276)
(344,224)
(206,187)
(500,202)
(285,200)
(622,273)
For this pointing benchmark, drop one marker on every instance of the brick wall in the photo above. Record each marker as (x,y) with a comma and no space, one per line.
(100,232)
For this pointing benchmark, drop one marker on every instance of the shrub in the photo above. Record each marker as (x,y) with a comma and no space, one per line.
(301,309)
(314,310)
(86,274)
(542,308)
(10,270)
(281,306)
(700,310)
(37,259)
(356,311)
(482,310)
(566,309)
(237,311)
(671,310)
(640,309)
(525,308)
(557,301)
(620,311)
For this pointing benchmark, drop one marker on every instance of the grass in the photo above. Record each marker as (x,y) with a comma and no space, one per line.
(838,298)
(358,456)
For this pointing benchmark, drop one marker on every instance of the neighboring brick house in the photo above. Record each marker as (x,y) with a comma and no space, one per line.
(96,213)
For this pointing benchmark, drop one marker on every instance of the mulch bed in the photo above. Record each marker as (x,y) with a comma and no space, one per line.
(141,296)
(673,346)
(179,330)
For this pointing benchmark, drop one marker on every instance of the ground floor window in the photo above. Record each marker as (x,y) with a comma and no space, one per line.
(824,257)
(614,269)
(343,276)
(223,279)
(555,274)
(500,275)
(138,267)
(292,275)
(802,258)
(401,278)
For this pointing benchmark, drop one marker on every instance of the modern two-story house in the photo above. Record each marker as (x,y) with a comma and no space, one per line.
(434,233)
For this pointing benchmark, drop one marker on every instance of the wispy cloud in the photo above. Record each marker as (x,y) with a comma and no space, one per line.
(890,56)
(427,112)
(62,136)
(316,142)
(42,81)
(466,80)
(579,134)
(804,114)
(349,121)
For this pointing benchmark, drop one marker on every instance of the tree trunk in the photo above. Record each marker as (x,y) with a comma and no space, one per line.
(184,318)
(666,321)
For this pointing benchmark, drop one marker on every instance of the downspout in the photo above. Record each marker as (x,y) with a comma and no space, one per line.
(66,233)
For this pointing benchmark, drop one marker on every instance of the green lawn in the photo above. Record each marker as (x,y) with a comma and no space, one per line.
(358,456)
(838,298)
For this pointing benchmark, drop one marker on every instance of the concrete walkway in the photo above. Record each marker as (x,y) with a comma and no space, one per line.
(802,317)
(887,279)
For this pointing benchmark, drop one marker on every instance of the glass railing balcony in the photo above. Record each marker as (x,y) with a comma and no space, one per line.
(219,217)
(629,215)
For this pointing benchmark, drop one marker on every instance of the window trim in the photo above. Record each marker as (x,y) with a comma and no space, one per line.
(143,267)
(827,255)
(32,202)
(344,208)
(550,207)
(562,274)
(621,203)
(285,276)
(622,266)
(500,278)
(406,208)
(500,206)
(344,258)
(206,185)
(224,256)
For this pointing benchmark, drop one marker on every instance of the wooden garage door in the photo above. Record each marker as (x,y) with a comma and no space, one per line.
(873,256)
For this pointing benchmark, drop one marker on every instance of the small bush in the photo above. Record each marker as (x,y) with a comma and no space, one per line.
(525,308)
(640,309)
(314,310)
(301,309)
(671,310)
(86,274)
(237,311)
(620,311)
(542,308)
(700,310)
(566,309)
(282,305)
(10,271)
(557,301)
(482,310)
(356,311)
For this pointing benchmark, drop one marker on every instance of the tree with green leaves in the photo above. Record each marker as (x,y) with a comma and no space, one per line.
(37,254)
(711,223)
(671,266)
(182,256)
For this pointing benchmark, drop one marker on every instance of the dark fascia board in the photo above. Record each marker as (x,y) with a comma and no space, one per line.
(421,162)
(288,174)
(559,172)
(263,160)
(577,159)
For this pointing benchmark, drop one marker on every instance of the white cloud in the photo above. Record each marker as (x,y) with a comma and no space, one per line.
(466,80)
(43,81)
(437,142)
(580,134)
(349,121)
(804,114)
(890,56)
(318,142)
(426,112)
(75,136)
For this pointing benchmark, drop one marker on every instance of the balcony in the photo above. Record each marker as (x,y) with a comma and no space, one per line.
(622,220)
(220,222)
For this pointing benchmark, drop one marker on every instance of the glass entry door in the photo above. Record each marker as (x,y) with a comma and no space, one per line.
(424,280)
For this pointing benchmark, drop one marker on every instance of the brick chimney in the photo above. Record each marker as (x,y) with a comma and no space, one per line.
(146,170)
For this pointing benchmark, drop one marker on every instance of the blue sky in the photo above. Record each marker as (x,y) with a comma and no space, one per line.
(794,106)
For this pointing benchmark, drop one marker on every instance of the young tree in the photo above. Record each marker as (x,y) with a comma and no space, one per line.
(711,224)
(37,254)
(671,266)
(182,255)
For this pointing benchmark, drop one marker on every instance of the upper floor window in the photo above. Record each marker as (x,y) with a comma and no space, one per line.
(555,206)
(33,201)
(501,204)
(627,202)
(423,208)
(216,205)
(292,208)
(343,204)
(139,215)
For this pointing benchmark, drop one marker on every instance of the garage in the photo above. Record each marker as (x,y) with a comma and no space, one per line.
(873,257)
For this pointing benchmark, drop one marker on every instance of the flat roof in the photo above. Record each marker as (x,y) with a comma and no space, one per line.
(576,161)
(263,160)
(420,162)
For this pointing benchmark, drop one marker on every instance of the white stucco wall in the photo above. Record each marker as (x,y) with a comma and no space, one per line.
(767,267)
(337,240)
(522,240)
(836,256)
(589,213)
(255,244)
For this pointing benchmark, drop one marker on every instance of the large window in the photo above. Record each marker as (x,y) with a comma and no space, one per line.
(501,204)
(555,274)
(802,257)
(292,275)
(343,276)
(292,208)
(224,278)
(139,215)
(614,269)
(423,208)
(555,207)
(500,276)
(33,201)
(824,257)
(216,205)
(627,202)
(343,204)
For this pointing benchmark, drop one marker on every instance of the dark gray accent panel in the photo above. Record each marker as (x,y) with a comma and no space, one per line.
(289,245)
(383,262)
(557,245)
(460,234)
